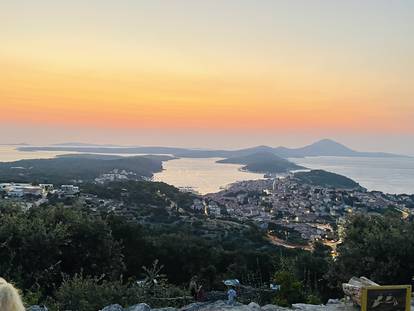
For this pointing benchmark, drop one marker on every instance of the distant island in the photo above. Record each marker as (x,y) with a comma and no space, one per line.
(79,144)
(263,162)
(324,147)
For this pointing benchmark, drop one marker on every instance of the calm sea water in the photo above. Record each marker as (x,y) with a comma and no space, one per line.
(203,175)
(390,175)
(10,154)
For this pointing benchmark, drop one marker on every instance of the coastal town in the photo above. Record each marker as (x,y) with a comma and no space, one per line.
(298,213)
(294,213)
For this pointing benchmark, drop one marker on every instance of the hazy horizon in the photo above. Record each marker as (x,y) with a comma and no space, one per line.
(203,140)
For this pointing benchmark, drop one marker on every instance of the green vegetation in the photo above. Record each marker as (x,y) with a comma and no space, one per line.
(379,247)
(72,258)
(57,255)
(326,179)
(141,193)
(291,290)
(263,162)
(287,234)
(86,168)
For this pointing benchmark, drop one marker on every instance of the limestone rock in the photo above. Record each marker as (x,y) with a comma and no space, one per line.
(219,305)
(273,308)
(139,307)
(113,308)
(254,306)
(222,305)
(307,307)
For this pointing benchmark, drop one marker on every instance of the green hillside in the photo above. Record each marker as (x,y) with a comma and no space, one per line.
(263,162)
(85,168)
(326,179)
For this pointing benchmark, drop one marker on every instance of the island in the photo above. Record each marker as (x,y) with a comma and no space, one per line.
(326,179)
(81,168)
(263,162)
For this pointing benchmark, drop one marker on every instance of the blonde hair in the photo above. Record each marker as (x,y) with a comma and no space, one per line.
(9,297)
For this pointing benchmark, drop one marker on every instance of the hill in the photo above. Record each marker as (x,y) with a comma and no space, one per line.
(77,167)
(263,162)
(326,179)
(324,147)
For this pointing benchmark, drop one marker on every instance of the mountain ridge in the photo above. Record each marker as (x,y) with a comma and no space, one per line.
(323,147)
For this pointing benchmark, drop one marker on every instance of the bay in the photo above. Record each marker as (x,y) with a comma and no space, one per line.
(204,175)
(389,175)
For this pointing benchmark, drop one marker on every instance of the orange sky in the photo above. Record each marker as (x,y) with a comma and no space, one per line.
(222,65)
(129,99)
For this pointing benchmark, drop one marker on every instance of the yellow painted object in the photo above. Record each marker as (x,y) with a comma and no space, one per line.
(386,298)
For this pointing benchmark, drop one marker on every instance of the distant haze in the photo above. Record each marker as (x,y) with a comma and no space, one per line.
(43,135)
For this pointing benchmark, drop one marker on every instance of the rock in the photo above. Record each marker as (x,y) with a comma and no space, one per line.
(113,308)
(273,308)
(307,307)
(192,307)
(222,305)
(37,308)
(139,307)
(219,305)
(254,306)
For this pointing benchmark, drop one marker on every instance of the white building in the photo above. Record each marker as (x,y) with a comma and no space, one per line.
(69,189)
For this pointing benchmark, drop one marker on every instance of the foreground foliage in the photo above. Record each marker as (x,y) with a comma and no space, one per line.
(379,247)
(70,258)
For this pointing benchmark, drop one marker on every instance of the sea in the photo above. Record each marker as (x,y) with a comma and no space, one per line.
(204,175)
(389,175)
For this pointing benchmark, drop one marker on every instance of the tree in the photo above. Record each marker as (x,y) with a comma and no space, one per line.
(381,248)
(37,246)
(291,290)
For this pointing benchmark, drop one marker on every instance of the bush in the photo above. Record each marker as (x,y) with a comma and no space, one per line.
(290,289)
(92,293)
(313,299)
(380,248)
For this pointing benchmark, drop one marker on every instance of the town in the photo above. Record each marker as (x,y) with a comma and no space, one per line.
(294,213)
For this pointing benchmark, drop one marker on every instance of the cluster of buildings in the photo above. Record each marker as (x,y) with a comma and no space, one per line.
(35,192)
(18,190)
(117,175)
(287,206)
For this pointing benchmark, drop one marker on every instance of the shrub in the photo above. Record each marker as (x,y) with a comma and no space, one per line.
(290,289)
(91,293)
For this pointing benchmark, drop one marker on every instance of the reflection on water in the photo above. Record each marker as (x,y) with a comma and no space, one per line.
(10,154)
(390,175)
(203,175)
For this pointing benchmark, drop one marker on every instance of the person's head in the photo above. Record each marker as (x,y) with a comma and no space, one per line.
(9,297)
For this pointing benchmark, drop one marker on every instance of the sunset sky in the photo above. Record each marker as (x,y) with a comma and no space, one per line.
(215,73)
